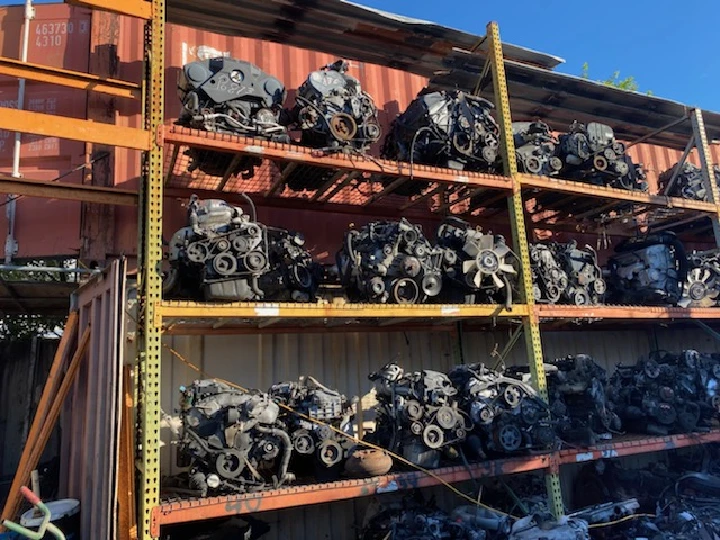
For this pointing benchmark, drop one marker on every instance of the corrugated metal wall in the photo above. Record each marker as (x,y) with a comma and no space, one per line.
(24,366)
(91,417)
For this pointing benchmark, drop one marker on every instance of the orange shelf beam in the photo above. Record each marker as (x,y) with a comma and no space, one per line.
(624,312)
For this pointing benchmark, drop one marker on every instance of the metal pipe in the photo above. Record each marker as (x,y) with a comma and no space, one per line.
(679,165)
(659,130)
(11,210)
(52,269)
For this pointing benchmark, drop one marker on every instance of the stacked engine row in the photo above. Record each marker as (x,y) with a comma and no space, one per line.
(225,254)
(450,129)
(236,440)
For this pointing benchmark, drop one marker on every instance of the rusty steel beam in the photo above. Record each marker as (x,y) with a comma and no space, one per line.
(216,507)
(75,129)
(68,78)
(72,192)
(141,9)
(301,154)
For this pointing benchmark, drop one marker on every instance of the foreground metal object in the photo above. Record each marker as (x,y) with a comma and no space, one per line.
(232,440)
(224,254)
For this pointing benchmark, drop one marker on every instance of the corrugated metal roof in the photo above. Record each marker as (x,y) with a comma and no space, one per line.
(341,27)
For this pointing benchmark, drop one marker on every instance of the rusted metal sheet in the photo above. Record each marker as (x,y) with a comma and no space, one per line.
(91,418)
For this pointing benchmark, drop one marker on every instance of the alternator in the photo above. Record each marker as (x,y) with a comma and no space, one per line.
(226,255)
(332,110)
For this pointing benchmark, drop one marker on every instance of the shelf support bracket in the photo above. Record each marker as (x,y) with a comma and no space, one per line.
(706,165)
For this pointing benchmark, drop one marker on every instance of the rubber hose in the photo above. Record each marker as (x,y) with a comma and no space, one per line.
(287,451)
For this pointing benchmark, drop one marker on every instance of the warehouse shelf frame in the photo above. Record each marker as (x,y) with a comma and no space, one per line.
(153,138)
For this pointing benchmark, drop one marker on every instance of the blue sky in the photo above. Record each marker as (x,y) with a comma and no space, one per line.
(669,46)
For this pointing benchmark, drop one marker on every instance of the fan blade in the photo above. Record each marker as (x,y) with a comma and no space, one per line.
(499,283)
(468,265)
(478,279)
(507,268)
(501,250)
(705,275)
(471,249)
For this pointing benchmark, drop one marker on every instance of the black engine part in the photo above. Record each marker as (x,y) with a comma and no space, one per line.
(226,255)
(688,183)
(535,148)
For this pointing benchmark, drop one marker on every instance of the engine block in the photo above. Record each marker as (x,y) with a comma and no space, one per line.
(688,183)
(535,148)
(648,270)
(390,262)
(311,400)
(417,414)
(478,267)
(507,414)
(332,110)
(232,440)
(591,154)
(224,254)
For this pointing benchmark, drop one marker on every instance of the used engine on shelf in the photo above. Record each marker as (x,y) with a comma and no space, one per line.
(232,440)
(576,390)
(535,148)
(448,129)
(564,273)
(688,183)
(591,154)
(702,284)
(648,270)
(507,415)
(226,255)
(667,393)
(334,112)
(225,95)
(390,262)
(417,414)
(310,439)
(478,267)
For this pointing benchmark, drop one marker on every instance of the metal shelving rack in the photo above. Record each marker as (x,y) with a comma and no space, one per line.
(157,316)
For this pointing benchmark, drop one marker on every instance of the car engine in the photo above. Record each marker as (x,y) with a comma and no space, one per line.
(688,184)
(448,129)
(667,393)
(232,440)
(576,390)
(478,267)
(535,148)
(417,414)
(225,95)
(334,112)
(226,255)
(326,448)
(591,154)
(566,274)
(702,284)
(507,415)
(390,262)
(649,270)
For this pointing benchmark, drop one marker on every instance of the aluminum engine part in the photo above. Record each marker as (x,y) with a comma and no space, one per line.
(535,148)
(417,414)
(607,512)
(333,111)
(448,129)
(667,392)
(566,274)
(649,270)
(507,415)
(226,255)
(420,522)
(535,528)
(688,183)
(225,95)
(591,154)
(478,267)
(327,448)
(576,390)
(702,284)
(390,262)
(232,440)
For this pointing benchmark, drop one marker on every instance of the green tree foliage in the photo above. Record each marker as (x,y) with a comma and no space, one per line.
(628,83)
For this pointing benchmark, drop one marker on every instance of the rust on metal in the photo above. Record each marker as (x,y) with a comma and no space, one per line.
(72,192)
(624,312)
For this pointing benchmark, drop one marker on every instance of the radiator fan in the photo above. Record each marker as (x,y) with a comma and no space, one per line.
(701,288)
(487,259)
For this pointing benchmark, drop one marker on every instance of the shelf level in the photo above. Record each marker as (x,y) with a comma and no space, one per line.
(624,312)
(215,507)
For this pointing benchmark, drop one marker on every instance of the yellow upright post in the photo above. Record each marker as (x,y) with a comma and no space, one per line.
(531,327)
